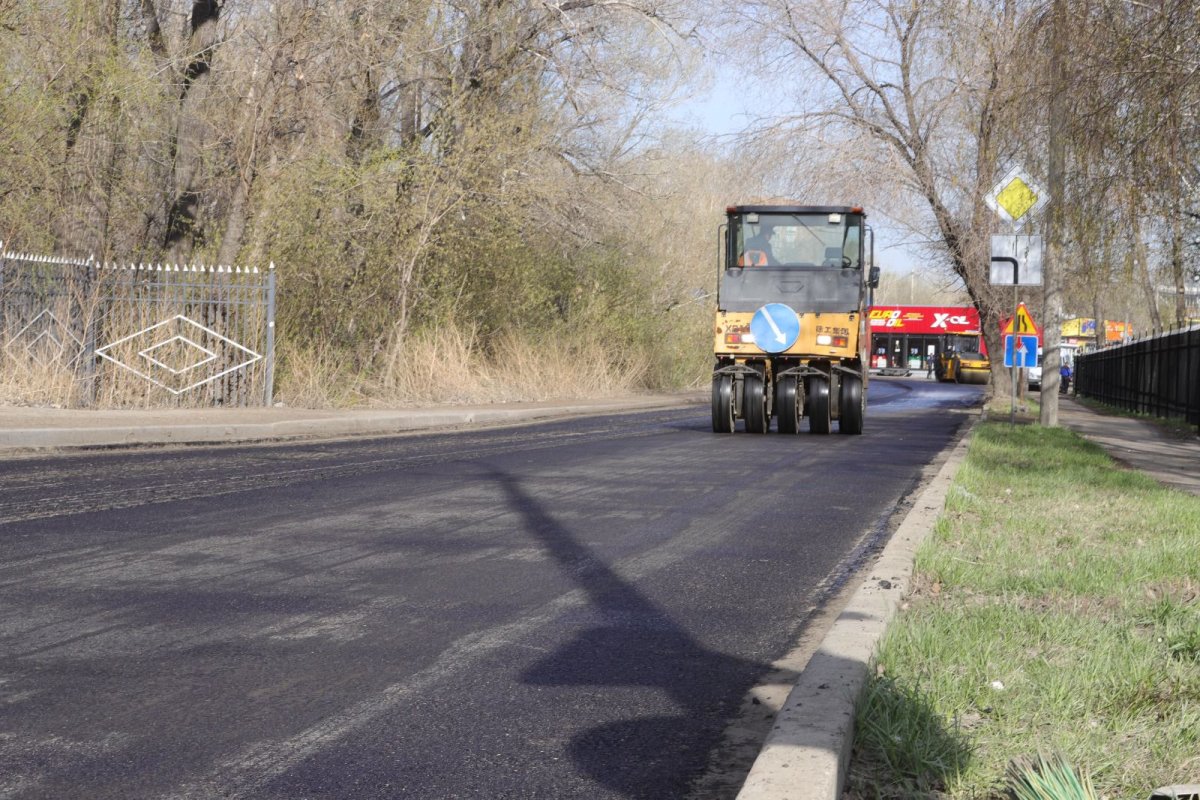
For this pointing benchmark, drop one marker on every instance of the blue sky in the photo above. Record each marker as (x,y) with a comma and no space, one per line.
(721,109)
(729,105)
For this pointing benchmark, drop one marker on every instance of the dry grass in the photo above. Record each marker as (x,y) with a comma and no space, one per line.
(450,364)
(25,382)
(317,377)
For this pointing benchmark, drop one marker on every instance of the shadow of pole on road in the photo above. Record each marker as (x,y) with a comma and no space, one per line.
(635,644)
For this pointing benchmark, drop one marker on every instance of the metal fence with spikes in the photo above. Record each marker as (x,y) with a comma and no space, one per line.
(79,332)
(1157,375)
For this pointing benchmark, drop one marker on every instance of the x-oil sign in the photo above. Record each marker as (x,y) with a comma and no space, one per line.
(924,319)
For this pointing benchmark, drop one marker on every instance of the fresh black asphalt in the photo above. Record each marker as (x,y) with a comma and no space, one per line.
(564,610)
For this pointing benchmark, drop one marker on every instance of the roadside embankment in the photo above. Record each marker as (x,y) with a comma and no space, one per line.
(1054,609)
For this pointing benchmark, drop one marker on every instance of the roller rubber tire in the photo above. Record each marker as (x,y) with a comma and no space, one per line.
(851,405)
(818,406)
(789,404)
(722,404)
(754,405)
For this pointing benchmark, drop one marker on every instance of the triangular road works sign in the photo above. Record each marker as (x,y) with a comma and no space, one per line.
(1025,323)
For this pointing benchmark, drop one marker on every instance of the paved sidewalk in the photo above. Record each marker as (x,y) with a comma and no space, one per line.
(1137,443)
(31,429)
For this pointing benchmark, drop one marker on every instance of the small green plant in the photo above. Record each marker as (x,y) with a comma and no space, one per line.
(1048,778)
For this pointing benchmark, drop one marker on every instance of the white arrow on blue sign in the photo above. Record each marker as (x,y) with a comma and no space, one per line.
(1020,351)
(775,327)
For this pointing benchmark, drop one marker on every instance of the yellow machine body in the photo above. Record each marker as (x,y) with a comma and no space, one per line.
(827,336)
(805,272)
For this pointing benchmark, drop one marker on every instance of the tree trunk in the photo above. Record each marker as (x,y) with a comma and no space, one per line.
(1052,269)
(90,150)
(184,227)
(1178,272)
(1142,266)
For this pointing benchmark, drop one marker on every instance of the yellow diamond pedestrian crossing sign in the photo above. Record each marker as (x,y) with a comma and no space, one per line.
(1016,197)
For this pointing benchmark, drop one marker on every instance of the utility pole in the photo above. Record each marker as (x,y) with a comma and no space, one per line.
(1052,271)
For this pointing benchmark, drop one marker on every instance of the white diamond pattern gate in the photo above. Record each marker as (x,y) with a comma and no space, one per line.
(83,333)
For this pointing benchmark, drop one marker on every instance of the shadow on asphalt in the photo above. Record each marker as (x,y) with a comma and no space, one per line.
(639,645)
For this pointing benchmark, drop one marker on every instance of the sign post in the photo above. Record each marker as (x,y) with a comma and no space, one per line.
(1015,199)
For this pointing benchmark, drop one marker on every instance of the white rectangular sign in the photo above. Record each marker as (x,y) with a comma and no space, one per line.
(1026,251)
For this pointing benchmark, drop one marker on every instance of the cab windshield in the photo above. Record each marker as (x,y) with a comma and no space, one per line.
(798,240)
(809,261)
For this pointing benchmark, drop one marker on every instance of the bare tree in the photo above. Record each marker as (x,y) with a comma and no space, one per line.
(921,85)
(411,162)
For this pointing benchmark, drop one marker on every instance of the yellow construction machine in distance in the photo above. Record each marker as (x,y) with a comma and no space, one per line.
(791,332)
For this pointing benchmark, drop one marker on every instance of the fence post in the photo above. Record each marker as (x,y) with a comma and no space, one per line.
(269,392)
(1192,377)
(2,261)
(90,310)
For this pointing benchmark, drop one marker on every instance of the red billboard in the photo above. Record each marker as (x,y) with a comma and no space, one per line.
(963,320)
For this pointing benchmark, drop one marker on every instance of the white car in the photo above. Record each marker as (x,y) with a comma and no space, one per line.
(1034,375)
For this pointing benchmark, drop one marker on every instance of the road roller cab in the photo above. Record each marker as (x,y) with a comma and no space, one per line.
(790,336)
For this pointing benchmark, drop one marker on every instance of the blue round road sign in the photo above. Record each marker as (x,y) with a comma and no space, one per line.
(775,327)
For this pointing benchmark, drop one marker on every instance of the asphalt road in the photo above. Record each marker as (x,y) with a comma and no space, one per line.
(566,610)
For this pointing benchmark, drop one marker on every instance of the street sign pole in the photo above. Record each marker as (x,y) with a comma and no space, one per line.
(1016,198)
(1012,409)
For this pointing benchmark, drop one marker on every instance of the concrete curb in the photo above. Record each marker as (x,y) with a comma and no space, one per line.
(807,753)
(365,423)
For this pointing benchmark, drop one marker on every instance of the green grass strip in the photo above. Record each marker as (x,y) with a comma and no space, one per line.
(1055,609)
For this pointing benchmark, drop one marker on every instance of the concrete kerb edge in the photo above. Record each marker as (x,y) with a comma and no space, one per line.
(381,424)
(807,753)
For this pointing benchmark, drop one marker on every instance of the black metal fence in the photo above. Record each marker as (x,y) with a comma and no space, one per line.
(77,332)
(1159,375)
